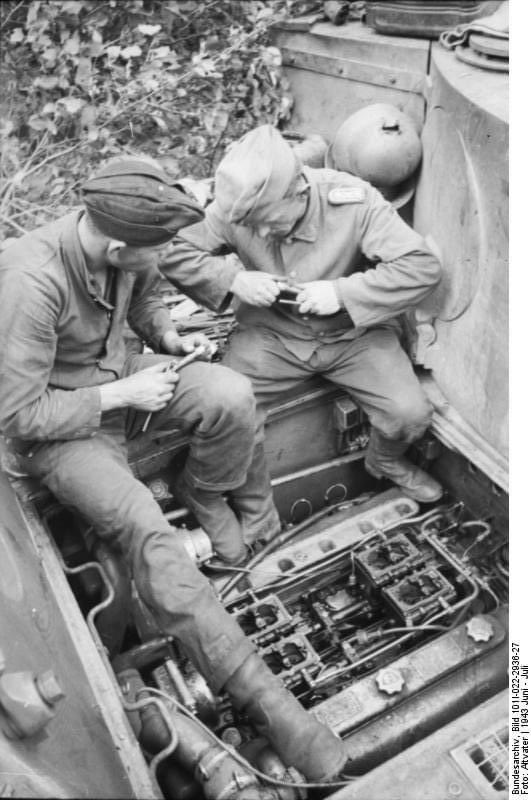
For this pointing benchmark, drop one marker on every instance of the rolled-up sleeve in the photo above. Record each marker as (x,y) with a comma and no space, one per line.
(405,272)
(201,261)
(148,315)
(29,407)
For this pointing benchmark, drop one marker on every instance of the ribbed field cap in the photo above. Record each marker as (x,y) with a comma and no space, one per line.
(255,174)
(133,201)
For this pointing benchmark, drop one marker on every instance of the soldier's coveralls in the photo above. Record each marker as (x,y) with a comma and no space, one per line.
(380,267)
(60,340)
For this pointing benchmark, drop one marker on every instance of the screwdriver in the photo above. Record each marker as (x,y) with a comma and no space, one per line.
(176,366)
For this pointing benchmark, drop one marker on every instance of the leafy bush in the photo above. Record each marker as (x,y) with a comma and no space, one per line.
(84,80)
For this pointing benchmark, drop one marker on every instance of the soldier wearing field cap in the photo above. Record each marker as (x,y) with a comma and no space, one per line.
(71,396)
(69,384)
(325,267)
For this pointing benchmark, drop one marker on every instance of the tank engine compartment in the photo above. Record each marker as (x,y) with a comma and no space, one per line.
(362,608)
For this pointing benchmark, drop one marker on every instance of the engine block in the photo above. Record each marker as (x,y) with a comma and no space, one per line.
(389,582)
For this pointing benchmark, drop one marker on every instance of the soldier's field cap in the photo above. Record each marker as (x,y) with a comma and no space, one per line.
(255,174)
(132,200)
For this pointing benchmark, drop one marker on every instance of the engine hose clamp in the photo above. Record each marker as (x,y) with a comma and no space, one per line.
(207,766)
(235,786)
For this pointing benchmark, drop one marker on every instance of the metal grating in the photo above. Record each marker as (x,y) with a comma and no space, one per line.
(485,760)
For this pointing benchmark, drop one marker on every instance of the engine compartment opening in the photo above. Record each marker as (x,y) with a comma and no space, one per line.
(371,610)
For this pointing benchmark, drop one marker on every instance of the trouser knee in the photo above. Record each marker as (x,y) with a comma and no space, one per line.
(164,574)
(236,399)
(226,402)
(405,420)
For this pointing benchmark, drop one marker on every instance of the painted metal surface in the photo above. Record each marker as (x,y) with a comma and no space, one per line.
(336,70)
(462,204)
(75,754)
(446,762)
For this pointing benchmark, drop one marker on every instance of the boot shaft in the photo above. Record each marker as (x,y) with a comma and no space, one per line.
(297,736)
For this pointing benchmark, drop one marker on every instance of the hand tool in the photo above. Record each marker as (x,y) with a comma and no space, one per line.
(176,366)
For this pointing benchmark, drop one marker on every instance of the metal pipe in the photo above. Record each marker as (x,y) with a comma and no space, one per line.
(139,705)
(305,473)
(179,684)
(113,620)
(76,571)
(105,603)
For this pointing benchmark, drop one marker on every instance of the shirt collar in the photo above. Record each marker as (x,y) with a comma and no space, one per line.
(75,258)
(307,228)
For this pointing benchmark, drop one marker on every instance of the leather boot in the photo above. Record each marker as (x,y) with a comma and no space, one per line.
(385,459)
(295,735)
(216,518)
(254,501)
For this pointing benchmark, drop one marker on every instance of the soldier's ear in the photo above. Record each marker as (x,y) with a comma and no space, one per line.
(302,187)
(113,250)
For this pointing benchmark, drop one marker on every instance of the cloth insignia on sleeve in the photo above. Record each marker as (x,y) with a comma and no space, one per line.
(340,195)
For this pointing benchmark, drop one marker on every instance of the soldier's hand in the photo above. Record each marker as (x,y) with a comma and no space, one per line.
(255,287)
(318,297)
(177,345)
(192,341)
(149,389)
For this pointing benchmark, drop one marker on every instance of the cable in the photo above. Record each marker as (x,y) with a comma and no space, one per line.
(485,586)
(474,524)
(413,628)
(237,757)
(245,570)
(286,536)
(499,565)
(281,580)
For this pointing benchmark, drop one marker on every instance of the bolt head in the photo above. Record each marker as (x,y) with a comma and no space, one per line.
(48,687)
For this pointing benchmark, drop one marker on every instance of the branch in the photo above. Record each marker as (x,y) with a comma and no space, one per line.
(9,187)
(4,22)
(12,222)
(246,39)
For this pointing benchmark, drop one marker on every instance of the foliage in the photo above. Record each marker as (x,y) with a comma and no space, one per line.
(84,80)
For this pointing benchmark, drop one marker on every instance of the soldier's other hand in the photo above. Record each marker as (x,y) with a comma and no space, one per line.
(255,287)
(318,297)
(177,345)
(194,340)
